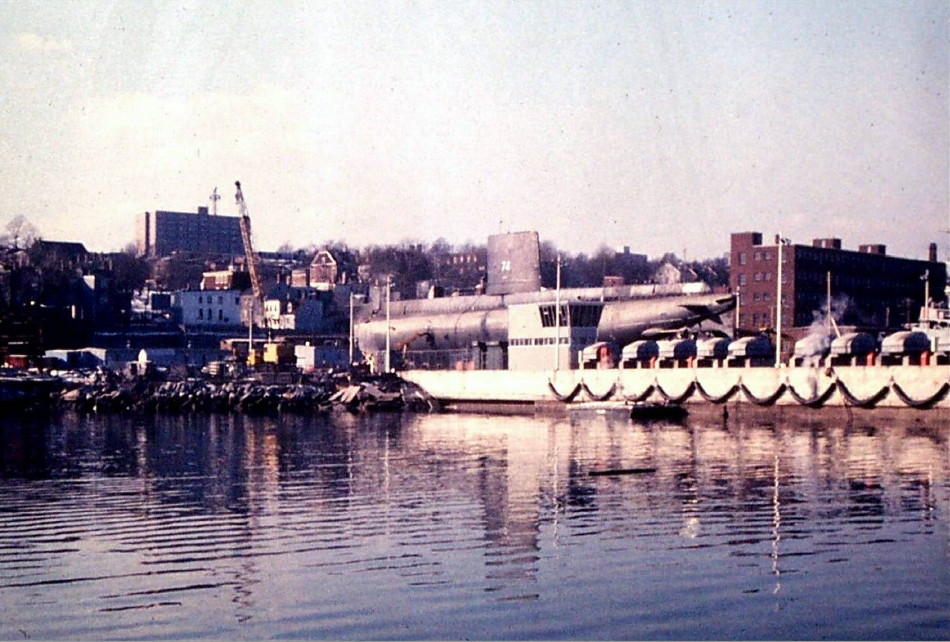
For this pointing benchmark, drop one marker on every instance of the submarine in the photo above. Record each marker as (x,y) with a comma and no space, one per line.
(625,314)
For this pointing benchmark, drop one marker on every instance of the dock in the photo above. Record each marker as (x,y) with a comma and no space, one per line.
(899,386)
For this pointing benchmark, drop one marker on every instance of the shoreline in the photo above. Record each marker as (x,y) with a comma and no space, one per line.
(915,387)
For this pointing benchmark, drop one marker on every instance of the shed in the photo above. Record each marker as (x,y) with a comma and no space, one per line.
(642,350)
(161,356)
(854,344)
(712,348)
(600,355)
(678,349)
(751,347)
(813,345)
(907,342)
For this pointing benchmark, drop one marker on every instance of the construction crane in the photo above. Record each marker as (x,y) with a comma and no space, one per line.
(253,269)
(253,261)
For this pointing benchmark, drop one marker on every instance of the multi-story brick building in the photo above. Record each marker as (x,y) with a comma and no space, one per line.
(866,288)
(160,233)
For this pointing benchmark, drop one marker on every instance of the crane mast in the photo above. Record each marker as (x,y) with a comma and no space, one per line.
(253,261)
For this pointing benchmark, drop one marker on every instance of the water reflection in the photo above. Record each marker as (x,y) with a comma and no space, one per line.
(310,524)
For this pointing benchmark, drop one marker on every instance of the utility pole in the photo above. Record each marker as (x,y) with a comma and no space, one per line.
(778,305)
(828,301)
(389,287)
(926,287)
(735,325)
(250,331)
(557,317)
(351,328)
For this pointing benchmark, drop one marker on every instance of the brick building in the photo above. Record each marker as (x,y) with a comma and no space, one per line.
(868,289)
(225,280)
(161,233)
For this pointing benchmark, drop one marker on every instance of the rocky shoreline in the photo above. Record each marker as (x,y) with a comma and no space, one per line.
(105,392)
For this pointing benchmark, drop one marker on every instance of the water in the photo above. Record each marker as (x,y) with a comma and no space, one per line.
(767,525)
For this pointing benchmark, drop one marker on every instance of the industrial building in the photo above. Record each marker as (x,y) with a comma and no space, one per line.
(866,289)
(161,233)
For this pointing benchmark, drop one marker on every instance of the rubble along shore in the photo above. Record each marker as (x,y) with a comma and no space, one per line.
(107,393)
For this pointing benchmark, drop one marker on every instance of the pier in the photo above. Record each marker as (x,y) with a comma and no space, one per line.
(901,386)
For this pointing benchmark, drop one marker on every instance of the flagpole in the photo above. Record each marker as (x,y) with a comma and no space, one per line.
(389,287)
(778,305)
(557,317)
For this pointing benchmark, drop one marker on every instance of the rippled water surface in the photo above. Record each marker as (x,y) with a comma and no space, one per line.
(760,526)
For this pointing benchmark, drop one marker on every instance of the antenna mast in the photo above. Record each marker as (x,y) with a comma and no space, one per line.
(215,197)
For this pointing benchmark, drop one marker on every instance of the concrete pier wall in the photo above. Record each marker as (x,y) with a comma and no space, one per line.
(924,387)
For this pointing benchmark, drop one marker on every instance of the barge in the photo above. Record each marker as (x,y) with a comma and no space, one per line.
(908,369)
(900,386)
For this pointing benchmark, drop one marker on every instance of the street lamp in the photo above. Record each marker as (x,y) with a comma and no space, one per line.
(780,241)
(557,316)
(351,328)
(926,280)
(389,287)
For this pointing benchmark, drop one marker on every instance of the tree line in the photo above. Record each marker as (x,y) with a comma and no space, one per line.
(411,262)
(407,263)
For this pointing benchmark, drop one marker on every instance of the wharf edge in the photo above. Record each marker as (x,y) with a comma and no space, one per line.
(899,386)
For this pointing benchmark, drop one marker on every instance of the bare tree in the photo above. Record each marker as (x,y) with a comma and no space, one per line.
(20,229)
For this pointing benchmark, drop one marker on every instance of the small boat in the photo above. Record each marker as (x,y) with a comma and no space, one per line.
(648,411)
(22,389)
(641,410)
(617,409)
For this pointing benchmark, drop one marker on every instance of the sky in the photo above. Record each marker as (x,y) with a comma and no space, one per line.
(662,126)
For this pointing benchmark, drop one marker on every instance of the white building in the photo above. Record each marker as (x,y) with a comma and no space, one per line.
(209,308)
(301,314)
(536,342)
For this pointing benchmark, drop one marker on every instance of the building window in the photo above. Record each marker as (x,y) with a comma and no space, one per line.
(220,300)
(742,258)
(200,299)
(768,276)
(758,256)
(201,314)
(220,315)
(742,279)
(757,277)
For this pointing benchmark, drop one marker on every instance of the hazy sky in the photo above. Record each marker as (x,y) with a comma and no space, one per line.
(664,126)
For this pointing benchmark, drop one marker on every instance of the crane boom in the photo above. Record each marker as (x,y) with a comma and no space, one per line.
(253,260)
